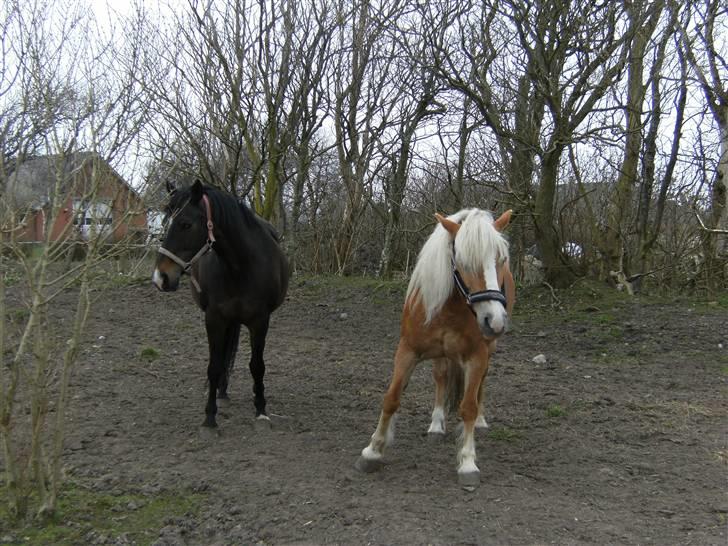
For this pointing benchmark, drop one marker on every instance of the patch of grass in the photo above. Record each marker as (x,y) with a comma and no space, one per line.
(81,512)
(150,354)
(605,318)
(504,434)
(13,276)
(586,302)
(19,316)
(713,303)
(555,410)
(317,283)
(724,370)
(672,414)
(616,332)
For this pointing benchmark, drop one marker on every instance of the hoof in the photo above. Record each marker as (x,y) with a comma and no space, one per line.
(262,423)
(469,480)
(209,433)
(368,465)
(223,401)
(480,423)
(436,437)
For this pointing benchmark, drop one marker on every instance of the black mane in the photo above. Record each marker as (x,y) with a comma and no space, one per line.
(227,211)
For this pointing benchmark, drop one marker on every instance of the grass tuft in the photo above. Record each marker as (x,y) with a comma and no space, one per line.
(150,354)
(504,434)
(555,410)
(85,516)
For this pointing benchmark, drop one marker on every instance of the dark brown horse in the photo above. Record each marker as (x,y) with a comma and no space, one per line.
(457,305)
(239,276)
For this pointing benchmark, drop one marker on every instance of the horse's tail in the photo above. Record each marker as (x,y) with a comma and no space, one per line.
(232,337)
(455,386)
(231,348)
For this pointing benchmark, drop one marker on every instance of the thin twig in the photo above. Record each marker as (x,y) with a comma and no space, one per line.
(553,293)
(706,228)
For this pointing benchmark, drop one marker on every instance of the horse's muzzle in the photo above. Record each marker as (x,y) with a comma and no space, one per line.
(489,332)
(164,282)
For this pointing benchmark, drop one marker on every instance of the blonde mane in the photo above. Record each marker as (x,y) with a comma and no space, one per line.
(477,241)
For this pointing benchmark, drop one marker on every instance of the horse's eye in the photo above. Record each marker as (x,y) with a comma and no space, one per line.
(185,225)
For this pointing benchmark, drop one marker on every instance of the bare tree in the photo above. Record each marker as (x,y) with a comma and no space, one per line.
(198,74)
(643,18)
(564,61)
(416,91)
(315,25)
(648,231)
(88,107)
(362,108)
(701,23)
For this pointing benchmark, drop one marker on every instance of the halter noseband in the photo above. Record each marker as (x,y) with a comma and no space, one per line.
(472,298)
(207,247)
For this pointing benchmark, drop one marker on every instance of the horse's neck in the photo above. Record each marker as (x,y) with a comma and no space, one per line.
(235,250)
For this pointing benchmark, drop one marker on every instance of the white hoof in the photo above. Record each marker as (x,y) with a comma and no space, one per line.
(262,423)
(469,480)
(436,428)
(368,465)
(468,475)
(369,460)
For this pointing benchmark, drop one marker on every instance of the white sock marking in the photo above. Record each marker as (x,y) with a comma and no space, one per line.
(437,426)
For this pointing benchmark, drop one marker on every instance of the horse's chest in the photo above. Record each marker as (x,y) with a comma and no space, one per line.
(445,342)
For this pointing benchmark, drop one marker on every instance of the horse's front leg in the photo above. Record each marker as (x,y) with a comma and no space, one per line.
(475,369)
(216,341)
(404,363)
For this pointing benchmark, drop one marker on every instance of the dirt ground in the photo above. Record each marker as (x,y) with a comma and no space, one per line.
(618,438)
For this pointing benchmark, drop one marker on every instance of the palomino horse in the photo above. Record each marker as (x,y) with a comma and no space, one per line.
(457,305)
(239,276)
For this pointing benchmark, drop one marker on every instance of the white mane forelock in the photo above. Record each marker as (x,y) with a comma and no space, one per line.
(476,240)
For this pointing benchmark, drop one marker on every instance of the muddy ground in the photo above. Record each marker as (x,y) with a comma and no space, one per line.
(618,438)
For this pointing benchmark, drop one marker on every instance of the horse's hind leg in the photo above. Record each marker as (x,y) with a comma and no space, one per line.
(439,375)
(232,339)
(371,456)
(480,422)
(258,333)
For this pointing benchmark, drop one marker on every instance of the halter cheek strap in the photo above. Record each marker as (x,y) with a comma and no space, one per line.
(472,298)
(186,266)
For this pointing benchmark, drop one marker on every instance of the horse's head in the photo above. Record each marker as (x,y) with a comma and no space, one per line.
(188,234)
(480,268)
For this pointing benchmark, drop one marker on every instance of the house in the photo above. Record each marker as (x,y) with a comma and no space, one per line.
(76,196)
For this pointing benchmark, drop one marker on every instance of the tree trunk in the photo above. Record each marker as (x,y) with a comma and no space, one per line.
(615,244)
(719,197)
(547,239)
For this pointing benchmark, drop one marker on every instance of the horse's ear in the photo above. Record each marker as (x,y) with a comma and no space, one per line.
(503,220)
(171,188)
(451,227)
(196,191)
